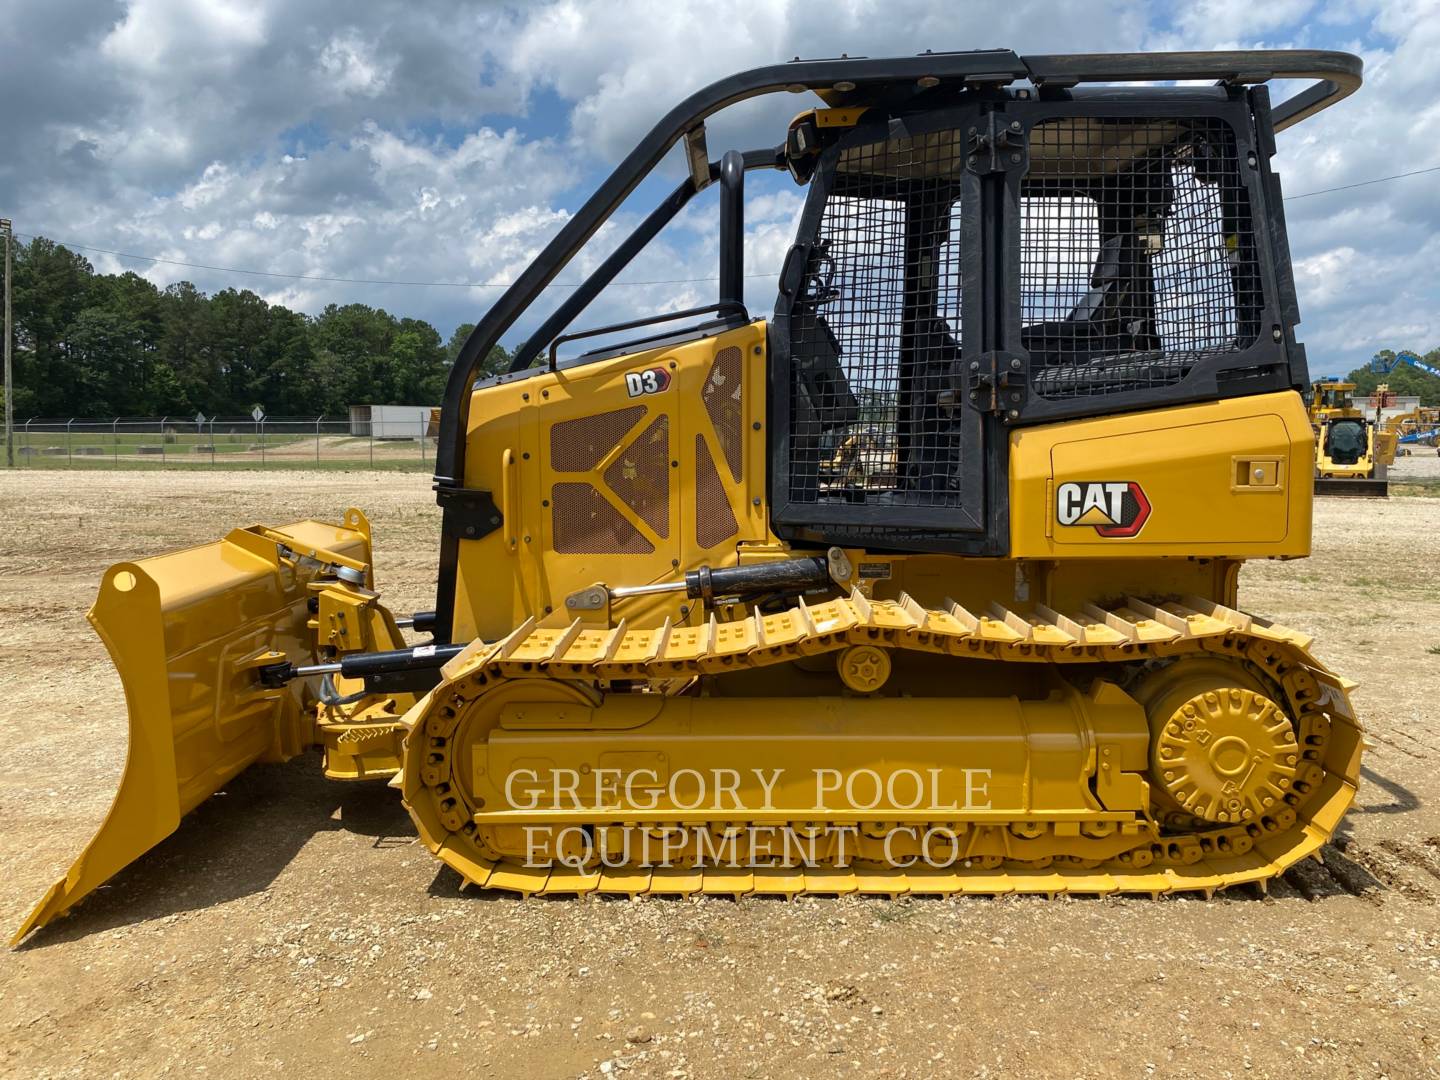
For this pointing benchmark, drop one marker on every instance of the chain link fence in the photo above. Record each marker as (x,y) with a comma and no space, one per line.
(172,442)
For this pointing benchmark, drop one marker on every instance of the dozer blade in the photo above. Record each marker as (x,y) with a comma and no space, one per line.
(187,632)
(1353,486)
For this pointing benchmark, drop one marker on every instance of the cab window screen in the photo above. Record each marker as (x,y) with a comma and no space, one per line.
(875,336)
(1137,253)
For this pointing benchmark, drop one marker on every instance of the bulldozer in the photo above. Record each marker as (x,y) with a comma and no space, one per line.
(1353,452)
(1041,309)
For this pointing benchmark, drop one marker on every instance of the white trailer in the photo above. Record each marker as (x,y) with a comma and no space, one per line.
(390,421)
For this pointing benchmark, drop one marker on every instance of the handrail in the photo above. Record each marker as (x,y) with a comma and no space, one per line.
(621,257)
(670,316)
(732,227)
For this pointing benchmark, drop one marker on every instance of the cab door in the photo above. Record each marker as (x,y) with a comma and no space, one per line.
(879,439)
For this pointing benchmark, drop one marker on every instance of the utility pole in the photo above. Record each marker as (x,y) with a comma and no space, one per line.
(9,377)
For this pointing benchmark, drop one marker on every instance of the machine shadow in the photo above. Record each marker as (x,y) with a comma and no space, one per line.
(1344,871)
(213,857)
(1403,800)
(235,844)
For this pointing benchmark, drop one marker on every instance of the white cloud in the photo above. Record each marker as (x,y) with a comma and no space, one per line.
(352,67)
(156,35)
(625,62)
(1239,19)
(415,140)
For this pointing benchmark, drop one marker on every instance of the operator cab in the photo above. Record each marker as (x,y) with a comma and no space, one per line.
(1345,441)
(987,258)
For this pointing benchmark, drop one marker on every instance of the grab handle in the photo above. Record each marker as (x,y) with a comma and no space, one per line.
(507,495)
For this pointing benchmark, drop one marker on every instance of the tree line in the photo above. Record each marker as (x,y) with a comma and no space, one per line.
(89,344)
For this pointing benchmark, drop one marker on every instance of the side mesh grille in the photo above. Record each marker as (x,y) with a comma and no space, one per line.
(641,476)
(579,445)
(714,520)
(723,402)
(585,523)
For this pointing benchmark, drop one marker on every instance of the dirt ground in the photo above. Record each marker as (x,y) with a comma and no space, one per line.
(294,923)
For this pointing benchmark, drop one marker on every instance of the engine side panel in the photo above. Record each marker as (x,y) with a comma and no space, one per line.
(627,470)
(1226,478)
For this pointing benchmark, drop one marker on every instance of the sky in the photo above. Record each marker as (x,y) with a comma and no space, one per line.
(410,141)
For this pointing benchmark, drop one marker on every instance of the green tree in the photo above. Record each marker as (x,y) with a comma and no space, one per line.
(51,288)
(283,382)
(497,361)
(356,340)
(233,351)
(100,346)
(116,342)
(418,363)
(183,313)
(104,345)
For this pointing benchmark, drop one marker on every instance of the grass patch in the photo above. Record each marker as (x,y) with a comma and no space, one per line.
(1434,650)
(1382,587)
(1419,488)
(126,442)
(48,448)
(222,463)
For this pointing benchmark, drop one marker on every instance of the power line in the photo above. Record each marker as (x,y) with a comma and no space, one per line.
(1363,183)
(357,281)
(553,284)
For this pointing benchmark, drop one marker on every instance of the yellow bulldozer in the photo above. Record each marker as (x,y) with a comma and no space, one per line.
(925,584)
(1353,451)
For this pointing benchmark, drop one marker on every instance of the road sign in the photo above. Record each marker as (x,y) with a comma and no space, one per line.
(257,414)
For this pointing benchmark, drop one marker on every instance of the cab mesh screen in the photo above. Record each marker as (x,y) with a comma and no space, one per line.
(583,520)
(875,334)
(1137,257)
(579,445)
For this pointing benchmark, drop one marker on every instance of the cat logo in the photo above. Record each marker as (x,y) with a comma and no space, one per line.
(1114,508)
(650,381)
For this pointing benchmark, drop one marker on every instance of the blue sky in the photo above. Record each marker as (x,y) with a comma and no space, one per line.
(447,142)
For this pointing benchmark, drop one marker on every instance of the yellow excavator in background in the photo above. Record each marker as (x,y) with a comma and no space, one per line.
(927,583)
(1418,427)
